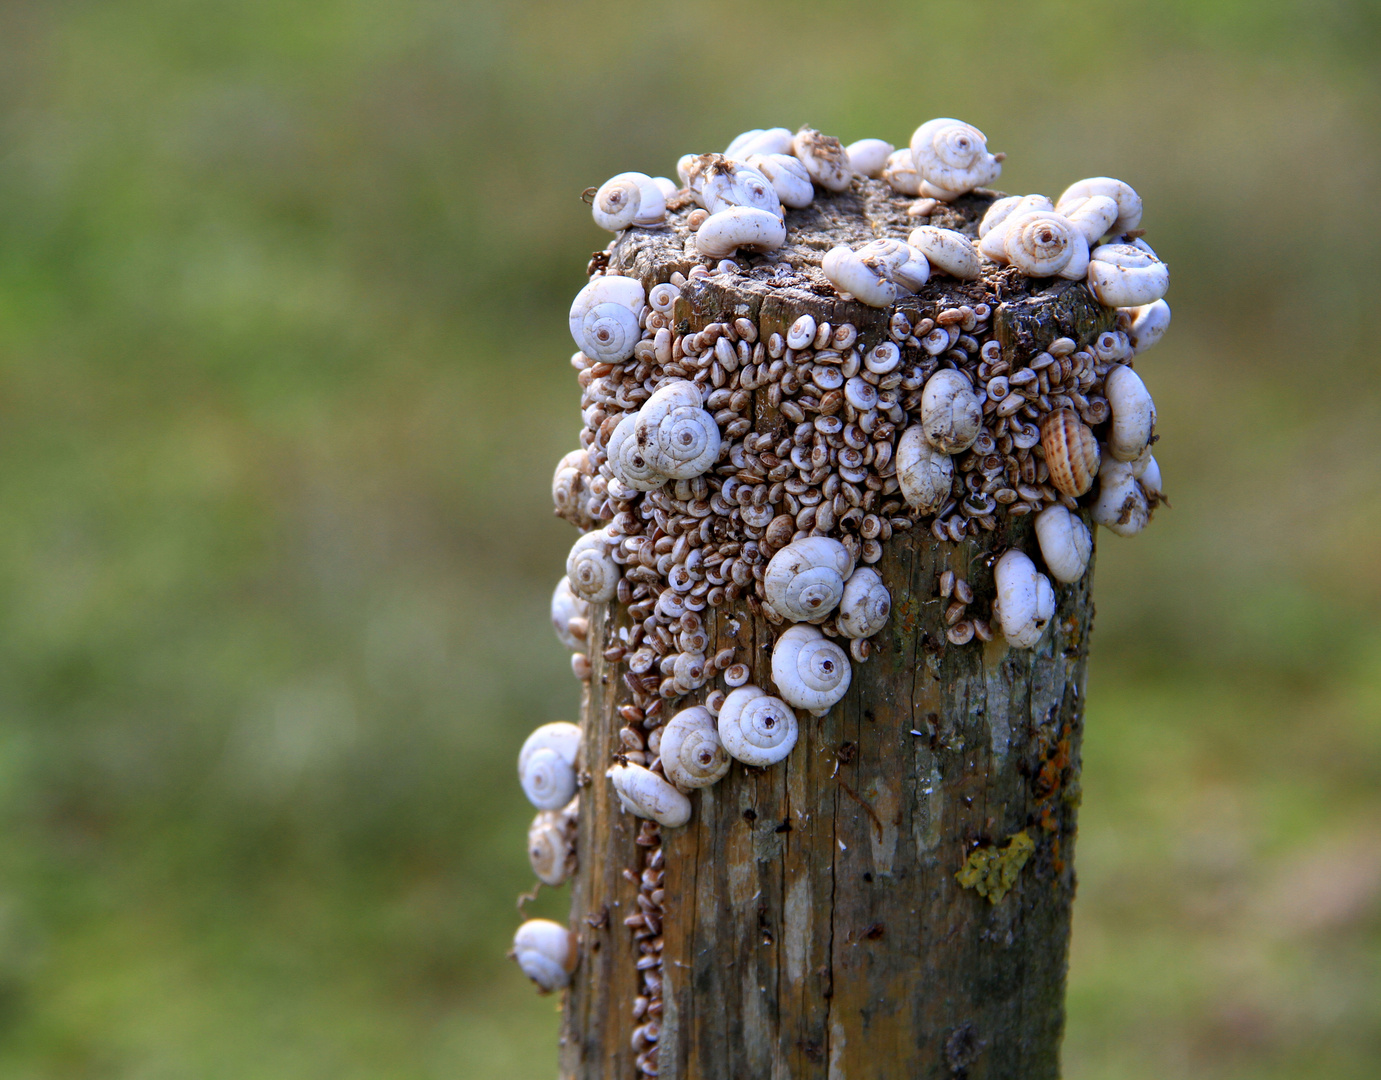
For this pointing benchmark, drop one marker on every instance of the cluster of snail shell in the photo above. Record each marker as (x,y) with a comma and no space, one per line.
(666,440)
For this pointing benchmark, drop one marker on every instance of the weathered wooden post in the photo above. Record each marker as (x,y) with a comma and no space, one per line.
(892,897)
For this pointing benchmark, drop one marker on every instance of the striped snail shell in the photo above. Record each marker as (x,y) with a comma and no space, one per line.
(1025,601)
(1043,243)
(692,755)
(788,178)
(1133,413)
(865,605)
(644,794)
(1121,506)
(629,458)
(630,198)
(952,157)
(546,765)
(950,412)
(551,843)
(756,728)
(1127,275)
(547,952)
(569,616)
(679,438)
(1071,452)
(810,672)
(1128,202)
(805,580)
(950,252)
(825,159)
(593,574)
(924,474)
(604,318)
(1065,541)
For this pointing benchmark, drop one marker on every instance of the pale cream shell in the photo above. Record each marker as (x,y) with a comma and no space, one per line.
(1127,275)
(756,728)
(924,474)
(593,574)
(950,412)
(1065,542)
(805,580)
(1025,601)
(691,752)
(809,671)
(950,252)
(1133,413)
(746,227)
(546,952)
(865,605)
(644,794)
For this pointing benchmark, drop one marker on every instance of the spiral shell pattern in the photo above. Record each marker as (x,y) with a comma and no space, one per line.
(548,779)
(617,201)
(691,752)
(593,574)
(629,458)
(756,728)
(604,318)
(809,671)
(569,613)
(865,605)
(550,849)
(1041,244)
(805,580)
(1071,452)
(568,486)
(735,184)
(682,444)
(950,413)
(1127,275)
(953,156)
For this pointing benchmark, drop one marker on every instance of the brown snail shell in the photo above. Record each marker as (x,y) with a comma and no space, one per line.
(1071,452)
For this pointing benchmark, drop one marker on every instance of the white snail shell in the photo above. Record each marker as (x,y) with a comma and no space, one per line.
(1025,601)
(546,765)
(568,612)
(852,277)
(630,198)
(736,184)
(924,473)
(1133,413)
(952,157)
(950,412)
(1127,275)
(1149,323)
(865,605)
(550,843)
(644,794)
(1149,476)
(736,227)
(667,186)
(805,580)
(992,230)
(604,318)
(787,176)
(691,752)
(1044,243)
(547,952)
(897,262)
(760,141)
(868,157)
(568,485)
(756,728)
(593,574)
(824,158)
(1127,200)
(629,458)
(900,172)
(809,671)
(1065,541)
(678,437)
(951,252)
(1121,506)
(1093,216)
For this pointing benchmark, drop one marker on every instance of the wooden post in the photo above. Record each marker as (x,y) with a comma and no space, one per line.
(893,899)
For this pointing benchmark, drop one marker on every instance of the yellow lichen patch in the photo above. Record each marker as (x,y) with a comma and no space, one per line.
(992,871)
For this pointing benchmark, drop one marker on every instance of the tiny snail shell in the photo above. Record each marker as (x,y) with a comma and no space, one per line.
(604,318)
(788,178)
(951,252)
(546,765)
(1121,506)
(549,843)
(566,609)
(866,603)
(1071,452)
(1025,601)
(756,728)
(679,440)
(568,482)
(992,230)
(1127,275)
(630,198)
(950,412)
(1043,243)
(1127,200)
(692,755)
(868,157)
(1065,541)
(1133,413)
(809,671)
(852,277)
(882,359)
(735,184)
(801,333)
(760,141)
(547,952)
(923,473)
(629,458)
(1093,216)
(724,233)
(900,172)
(952,157)
(1149,323)
(824,158)
(805,579)
(663,297)
(593,574)
(644,794)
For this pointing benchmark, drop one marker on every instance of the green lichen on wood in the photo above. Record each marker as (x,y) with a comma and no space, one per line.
(992,871)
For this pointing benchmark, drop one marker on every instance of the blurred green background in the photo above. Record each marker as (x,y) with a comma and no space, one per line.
(283,374)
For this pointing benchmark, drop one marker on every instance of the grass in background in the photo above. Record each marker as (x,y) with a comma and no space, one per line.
(282,381)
